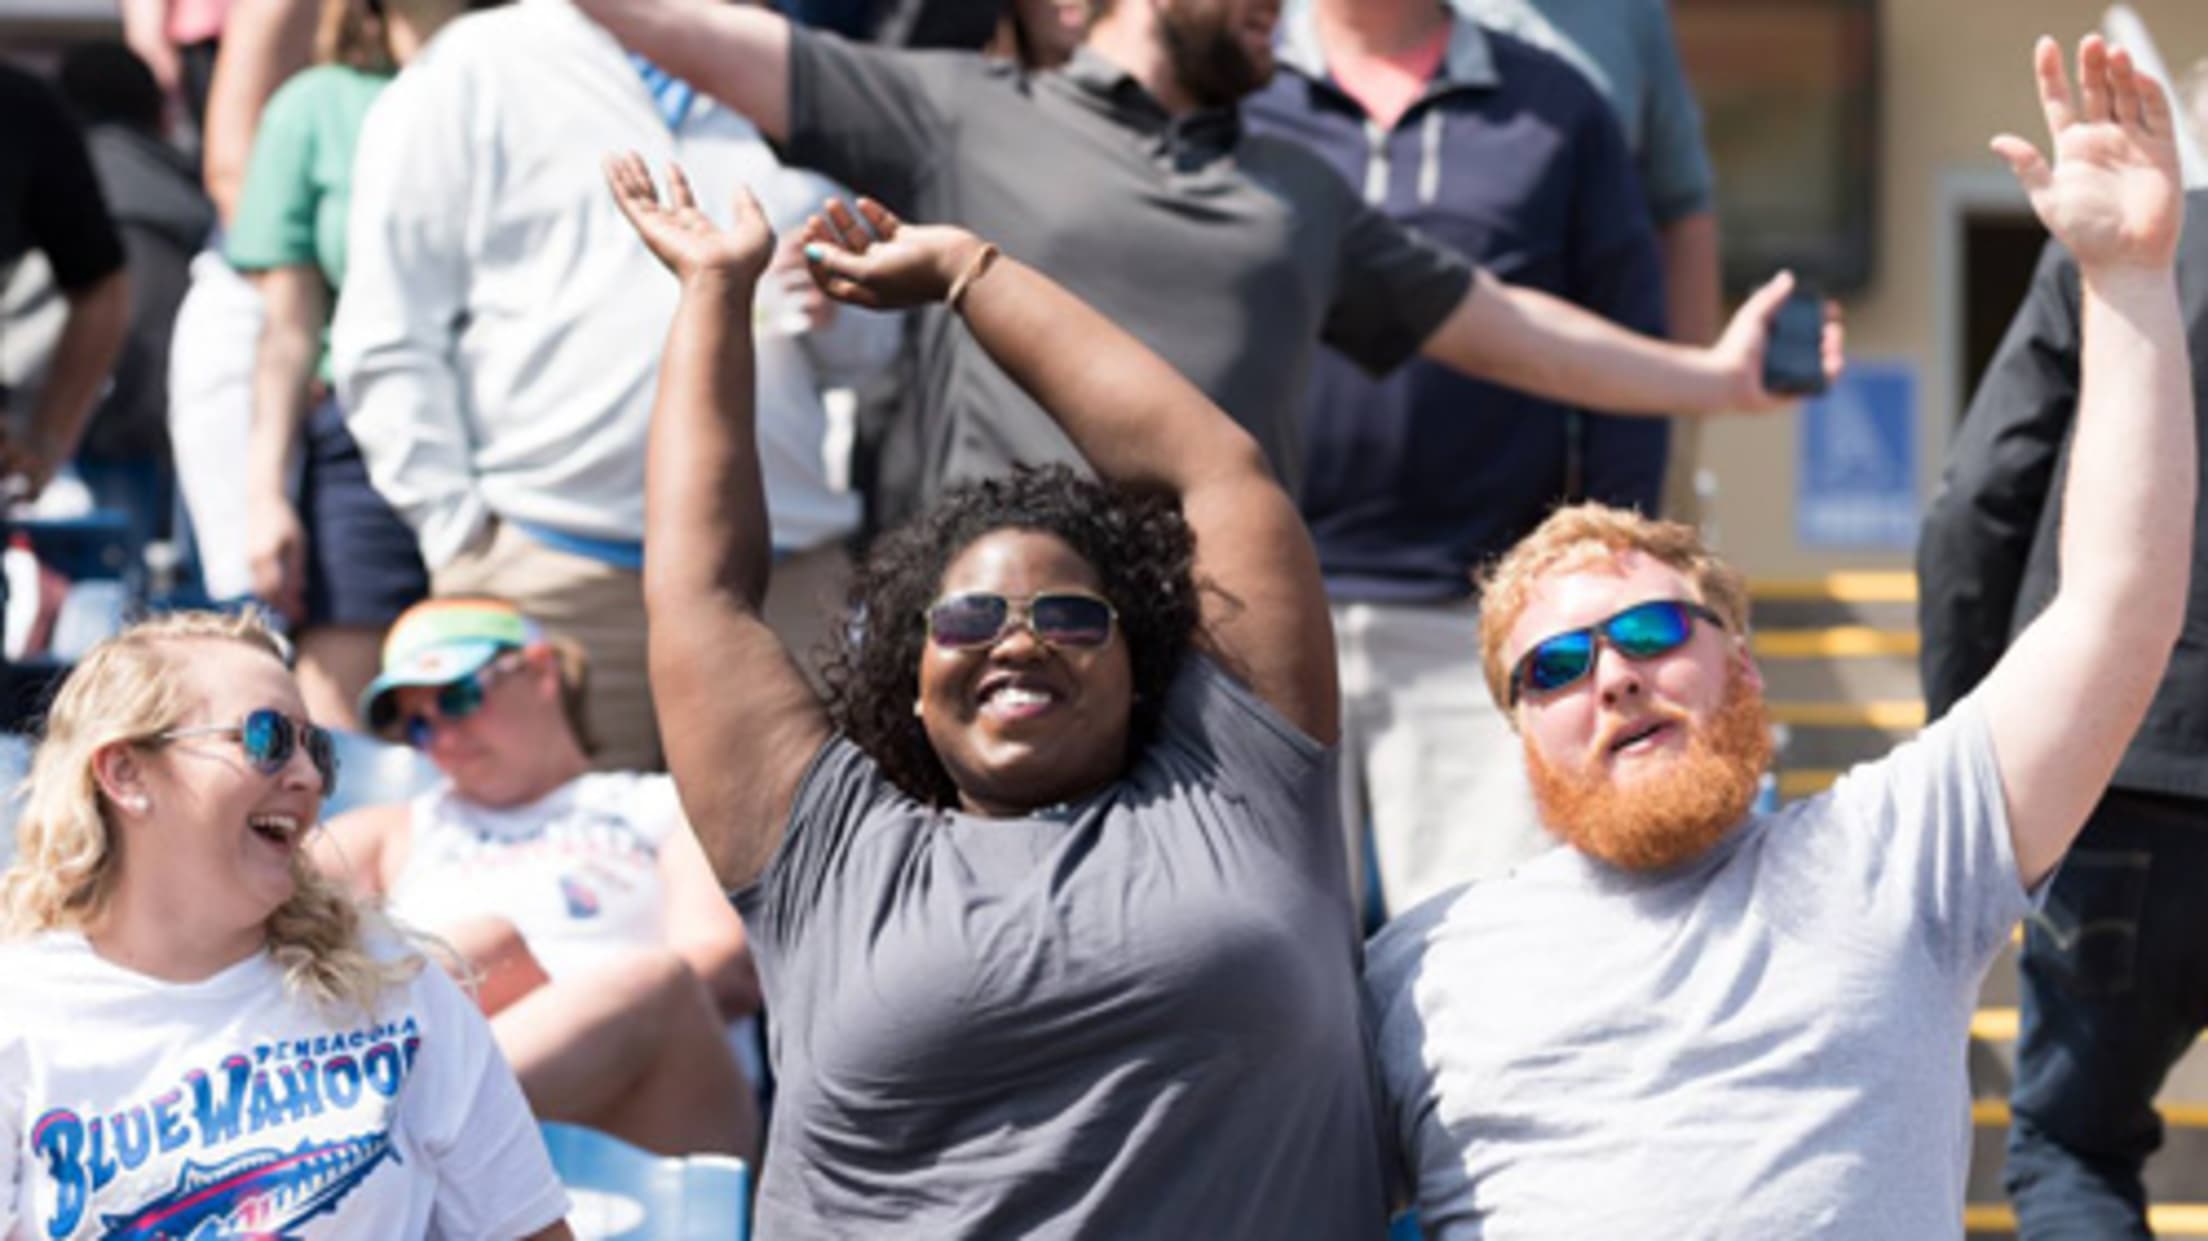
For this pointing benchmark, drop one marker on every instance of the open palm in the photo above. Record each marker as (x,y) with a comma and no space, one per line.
(684,237)
(2113,195)
(868,257)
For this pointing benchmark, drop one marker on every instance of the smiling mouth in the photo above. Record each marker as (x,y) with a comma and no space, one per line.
(278,829)
(1016,699)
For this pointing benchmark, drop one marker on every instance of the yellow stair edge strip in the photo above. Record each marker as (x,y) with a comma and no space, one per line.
(2000,1025)
(1875,586)
(1807,781)
(1994,1114)
(2168,1219)
(1836,642)
(1892,715)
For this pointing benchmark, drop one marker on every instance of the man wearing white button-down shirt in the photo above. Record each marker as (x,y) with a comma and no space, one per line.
(497,341)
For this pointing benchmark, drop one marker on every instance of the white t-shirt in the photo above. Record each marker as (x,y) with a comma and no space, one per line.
(576,871)
(1769,1041)
(131,1107)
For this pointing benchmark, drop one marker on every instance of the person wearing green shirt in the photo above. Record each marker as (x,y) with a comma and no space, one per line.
(289,238)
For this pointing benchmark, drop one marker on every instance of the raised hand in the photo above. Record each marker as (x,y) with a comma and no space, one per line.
(685,238)
(2113,197)
(884,263)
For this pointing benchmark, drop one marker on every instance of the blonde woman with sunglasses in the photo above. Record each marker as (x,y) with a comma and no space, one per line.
(198,1036)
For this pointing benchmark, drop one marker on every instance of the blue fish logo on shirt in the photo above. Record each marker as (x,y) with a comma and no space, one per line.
(261,1195)
(582,899)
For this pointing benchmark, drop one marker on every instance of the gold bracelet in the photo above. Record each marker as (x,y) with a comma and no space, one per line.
(975,266)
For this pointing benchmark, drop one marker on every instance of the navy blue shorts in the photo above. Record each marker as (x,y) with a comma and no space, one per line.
(363,566)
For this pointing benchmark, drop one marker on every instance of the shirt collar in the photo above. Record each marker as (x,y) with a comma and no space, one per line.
(1469,62)
(1104,84)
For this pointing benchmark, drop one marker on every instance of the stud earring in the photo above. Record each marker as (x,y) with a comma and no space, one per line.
(135,804)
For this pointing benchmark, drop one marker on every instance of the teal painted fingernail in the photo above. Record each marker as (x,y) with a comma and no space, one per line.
(813,252)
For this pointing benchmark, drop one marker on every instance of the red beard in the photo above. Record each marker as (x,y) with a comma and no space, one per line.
(1670,815)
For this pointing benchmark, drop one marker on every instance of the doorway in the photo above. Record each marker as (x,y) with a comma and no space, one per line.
(2000,250)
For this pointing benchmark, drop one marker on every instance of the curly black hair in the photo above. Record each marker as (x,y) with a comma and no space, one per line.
(1138,542)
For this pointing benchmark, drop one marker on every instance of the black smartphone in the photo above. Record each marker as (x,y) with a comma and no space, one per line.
(1793,357)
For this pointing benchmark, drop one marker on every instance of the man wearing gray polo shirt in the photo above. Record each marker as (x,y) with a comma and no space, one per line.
(1128,177)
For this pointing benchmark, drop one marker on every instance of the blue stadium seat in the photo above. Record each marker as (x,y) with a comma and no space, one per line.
(623,1193)
(1404,1227)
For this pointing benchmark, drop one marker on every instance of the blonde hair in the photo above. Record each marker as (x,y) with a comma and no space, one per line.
(1576,535)
(127,689)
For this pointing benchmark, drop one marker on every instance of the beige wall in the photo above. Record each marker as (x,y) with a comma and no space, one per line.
(1954,73)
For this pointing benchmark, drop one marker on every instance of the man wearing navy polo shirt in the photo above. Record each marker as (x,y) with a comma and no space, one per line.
(1507,155)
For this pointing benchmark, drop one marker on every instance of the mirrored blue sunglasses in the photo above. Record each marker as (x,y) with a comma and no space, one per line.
(1642,631)
(269,738)
(455,701)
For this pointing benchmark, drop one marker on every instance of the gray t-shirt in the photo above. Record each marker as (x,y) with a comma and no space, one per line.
(1769,1041)
(1228,253)
(1133,1016)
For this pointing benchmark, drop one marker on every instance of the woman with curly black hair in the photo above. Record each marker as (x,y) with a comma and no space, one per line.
(1139,545)
(1050,910)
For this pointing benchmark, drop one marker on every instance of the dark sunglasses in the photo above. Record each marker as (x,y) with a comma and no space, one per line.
(1059,618)
(456,700)
(1642,631)
(269,739)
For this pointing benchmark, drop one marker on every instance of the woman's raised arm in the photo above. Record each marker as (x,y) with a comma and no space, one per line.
(1138,422)
(738,720)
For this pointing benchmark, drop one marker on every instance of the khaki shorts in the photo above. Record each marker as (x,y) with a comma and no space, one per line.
(597,606)
(1425,753)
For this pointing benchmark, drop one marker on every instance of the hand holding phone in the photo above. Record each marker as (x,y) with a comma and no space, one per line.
(1793,354)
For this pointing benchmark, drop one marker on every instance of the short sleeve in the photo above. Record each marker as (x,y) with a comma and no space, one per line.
(494,1177)
(1935,826)
(835,797)
(876,120)
(274,226)
(1392,290)
(1675,162)
(1262,756)
(66,216)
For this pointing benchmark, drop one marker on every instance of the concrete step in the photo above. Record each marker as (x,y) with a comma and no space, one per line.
(1858,587)
(1833,678)
(1810,743)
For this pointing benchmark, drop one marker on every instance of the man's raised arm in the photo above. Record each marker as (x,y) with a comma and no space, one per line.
(736,53)
(2064,701)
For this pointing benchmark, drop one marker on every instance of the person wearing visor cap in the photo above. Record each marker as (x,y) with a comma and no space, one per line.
(610,963)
